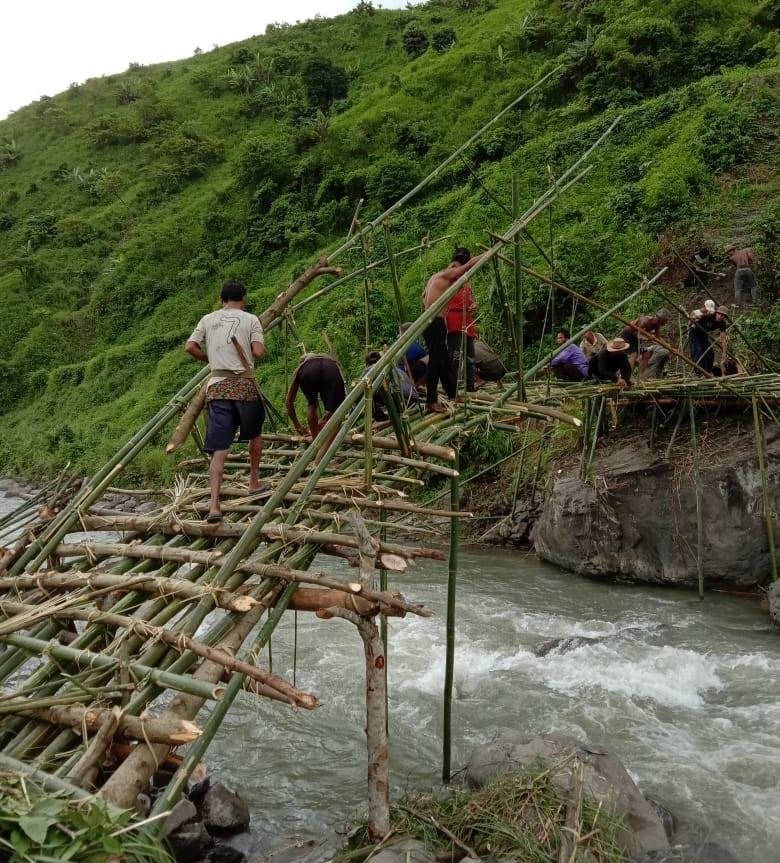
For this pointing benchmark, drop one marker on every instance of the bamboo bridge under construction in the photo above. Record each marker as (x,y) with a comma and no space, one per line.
(114,645)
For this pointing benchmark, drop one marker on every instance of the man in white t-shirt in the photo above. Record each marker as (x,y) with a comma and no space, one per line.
(231,336)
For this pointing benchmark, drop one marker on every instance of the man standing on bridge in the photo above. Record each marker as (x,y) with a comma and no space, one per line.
(435,334)
(231,335)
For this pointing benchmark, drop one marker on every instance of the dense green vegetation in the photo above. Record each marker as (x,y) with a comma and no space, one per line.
(126,200)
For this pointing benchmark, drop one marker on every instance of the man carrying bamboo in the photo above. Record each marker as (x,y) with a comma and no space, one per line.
(230,336)
(435,334)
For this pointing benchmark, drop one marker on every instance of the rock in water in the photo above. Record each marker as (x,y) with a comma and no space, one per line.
(223,810)
(605,780)
(189,843)
(636,520)
(773,595)
(706,852)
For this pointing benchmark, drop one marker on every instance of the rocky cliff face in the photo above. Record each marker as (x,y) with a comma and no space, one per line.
(634,519)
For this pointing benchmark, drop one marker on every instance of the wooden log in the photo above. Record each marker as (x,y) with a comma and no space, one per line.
(85,770)
(155,585)
(393,562)
(157,729)
(443,452)
(317,599)
(176,639)
(274,531)
(188,420)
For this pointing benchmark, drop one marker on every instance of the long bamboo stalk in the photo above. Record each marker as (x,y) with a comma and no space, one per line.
(761,449)
(449,659)
(698,492)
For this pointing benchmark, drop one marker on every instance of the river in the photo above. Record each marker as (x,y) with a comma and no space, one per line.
(685,692)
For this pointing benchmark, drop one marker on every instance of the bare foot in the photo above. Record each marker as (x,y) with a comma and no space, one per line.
(435,408)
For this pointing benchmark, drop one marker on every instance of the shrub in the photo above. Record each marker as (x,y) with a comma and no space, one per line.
(414,40)
(391,178)
(726,136)
(265,160)
(182,155)
(324,82)
(442,40)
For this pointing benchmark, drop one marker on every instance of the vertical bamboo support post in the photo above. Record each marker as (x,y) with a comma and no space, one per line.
(538,468)
(653,425)
(449,660)
(761,447)
(518,291)
(394,273)
(368,452)
(595,430)
(699,515)
(366,299)
(674,431)
(383,617)
(519,473)
(586,430)
(502,295)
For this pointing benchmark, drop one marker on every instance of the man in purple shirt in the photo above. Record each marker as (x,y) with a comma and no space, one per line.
(570,364)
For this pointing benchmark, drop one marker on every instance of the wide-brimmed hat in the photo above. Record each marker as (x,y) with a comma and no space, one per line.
(730,247)
(614,346)
(722,310)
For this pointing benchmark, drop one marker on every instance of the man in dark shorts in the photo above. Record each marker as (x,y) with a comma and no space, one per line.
(435,335)
(318,376)
(231,335)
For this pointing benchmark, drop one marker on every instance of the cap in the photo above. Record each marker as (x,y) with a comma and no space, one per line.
(664,314)
(710,306)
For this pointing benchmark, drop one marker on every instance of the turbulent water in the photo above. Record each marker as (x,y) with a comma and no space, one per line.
(685,692)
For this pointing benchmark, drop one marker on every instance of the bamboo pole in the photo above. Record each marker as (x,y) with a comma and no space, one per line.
(394,273)
(698,492)
(519,302)
(449,659)
(761,448)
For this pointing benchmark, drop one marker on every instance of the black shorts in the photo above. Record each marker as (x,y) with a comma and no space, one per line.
(632,337)
(321,377)
(226,416)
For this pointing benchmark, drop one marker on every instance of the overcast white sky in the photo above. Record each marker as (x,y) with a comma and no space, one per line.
(47,44)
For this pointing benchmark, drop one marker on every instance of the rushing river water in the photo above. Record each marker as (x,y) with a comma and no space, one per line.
(686,693)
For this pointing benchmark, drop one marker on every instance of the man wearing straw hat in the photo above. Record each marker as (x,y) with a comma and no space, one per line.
(231,335)
(611,363)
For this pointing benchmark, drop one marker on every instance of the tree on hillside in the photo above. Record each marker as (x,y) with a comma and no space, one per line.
(324,82)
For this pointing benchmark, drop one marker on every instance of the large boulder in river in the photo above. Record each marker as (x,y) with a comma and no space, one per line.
(634,519)
(223,810)
(604,779)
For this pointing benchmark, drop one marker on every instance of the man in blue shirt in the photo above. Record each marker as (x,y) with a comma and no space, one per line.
(570,364)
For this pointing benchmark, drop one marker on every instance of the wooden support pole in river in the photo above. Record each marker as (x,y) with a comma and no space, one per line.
(699,515)
(449,660)
(761,447)
(519,319)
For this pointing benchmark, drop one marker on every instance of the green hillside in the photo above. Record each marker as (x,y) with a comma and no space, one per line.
(125,201)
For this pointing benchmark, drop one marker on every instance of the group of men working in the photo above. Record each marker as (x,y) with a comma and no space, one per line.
(230,339)
(233,339)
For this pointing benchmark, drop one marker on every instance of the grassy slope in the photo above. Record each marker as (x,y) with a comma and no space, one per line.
(103,275)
